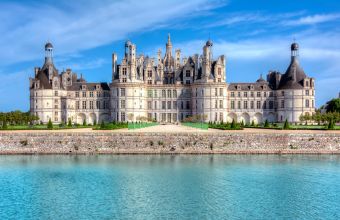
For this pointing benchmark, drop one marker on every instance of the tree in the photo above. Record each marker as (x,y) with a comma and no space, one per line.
(252,123)
(333,105)
(286,125)
(102,125)
(4,125)
(84,122)
(69,123)
(233,124)
(49,124)
(95,122)
(331,124)
(266,124)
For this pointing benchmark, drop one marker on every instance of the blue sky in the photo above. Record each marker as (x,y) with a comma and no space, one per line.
(254,35)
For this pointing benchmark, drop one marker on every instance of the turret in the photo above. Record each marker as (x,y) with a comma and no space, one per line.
(114,66)
(48,53)
(207,59)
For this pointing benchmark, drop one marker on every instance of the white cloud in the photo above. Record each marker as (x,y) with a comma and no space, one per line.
(313,19)
(77,26)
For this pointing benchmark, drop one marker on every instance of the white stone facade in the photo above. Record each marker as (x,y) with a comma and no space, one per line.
(169,89)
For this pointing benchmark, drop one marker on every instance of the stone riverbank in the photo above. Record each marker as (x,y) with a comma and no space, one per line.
(164,143)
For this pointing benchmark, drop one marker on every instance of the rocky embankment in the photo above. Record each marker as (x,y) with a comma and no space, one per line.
(159,143)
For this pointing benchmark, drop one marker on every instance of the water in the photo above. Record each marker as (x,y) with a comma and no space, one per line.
(170,187)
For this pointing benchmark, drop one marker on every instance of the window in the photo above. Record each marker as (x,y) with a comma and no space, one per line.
(187,73)
(271,104)
(155,92)
(97,104)
(219,80)
(122,92)
(239,104)
(188,104)
(149,82)
(258,94)
(282,103)
(163,93)
(312,104)
(307,83)
(84,104)
(149,105)
(124,81)
(84,94)
(307,92)
(187,81)
(283,93)
(174,93)
(258,104)
(252,104)
(221,116)
(149,93)
(122,116)
(264,105)
(264,94)
(169,104)
(91,94)
(238,94)
(149,73)
(56,93)
(251,94)
(307,103)
(219,71)
(122,103)
(245,94)
(221,103)
(245,104)
(221,91)
(91,104)
(216,91)
(155,104)
(169,93)
(232,104)
(174,104)
(163,105)
(232,94)
(77,105)
(215,103)
(124,71)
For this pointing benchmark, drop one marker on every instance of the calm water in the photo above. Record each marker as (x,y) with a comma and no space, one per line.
(171,187)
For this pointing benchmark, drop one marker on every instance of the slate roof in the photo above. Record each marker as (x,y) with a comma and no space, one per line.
(294,76)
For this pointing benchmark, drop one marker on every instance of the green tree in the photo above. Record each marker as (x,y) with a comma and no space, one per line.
(49,124)
(233,124)
(102,125)
(69,124)
(266,124)
(4,125)
(333,105)
(84,122)
(331,124)
(252,123)
(286,125)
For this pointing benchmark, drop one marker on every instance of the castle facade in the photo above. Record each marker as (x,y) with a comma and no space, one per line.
(169,89)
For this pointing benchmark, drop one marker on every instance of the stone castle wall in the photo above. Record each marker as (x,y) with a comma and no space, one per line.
(92,143)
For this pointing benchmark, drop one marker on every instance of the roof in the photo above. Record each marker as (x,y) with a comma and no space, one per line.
(89,86)
(247,86)
(294,76)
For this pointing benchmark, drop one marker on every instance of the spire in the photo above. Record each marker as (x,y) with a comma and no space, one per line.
(48,52)
(169,40)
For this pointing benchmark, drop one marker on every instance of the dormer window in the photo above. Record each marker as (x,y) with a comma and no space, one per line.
(97,87)
(83,87)
(307,83)
(251,87)
(238,87)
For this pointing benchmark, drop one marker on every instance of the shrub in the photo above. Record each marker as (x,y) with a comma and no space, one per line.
(286,125)
(49,124)
(84,122)
(4,125)
(94,122)
(102,125)
(252,123)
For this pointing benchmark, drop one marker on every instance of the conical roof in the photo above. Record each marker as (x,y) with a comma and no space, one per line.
(294,76)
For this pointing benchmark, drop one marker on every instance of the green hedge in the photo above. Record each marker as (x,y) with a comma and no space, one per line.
(198,125)
(139,125)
